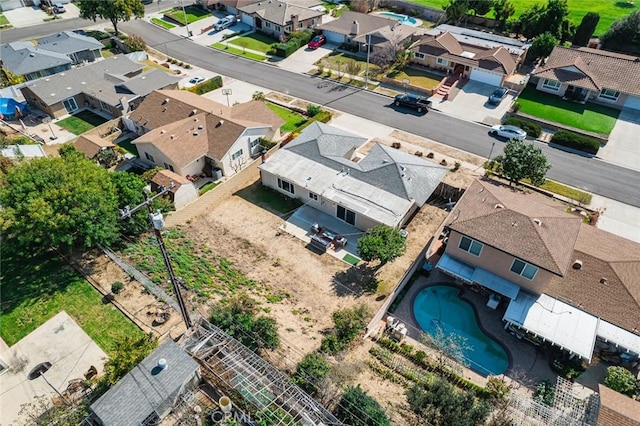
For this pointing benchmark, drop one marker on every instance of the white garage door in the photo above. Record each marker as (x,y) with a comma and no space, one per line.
(632,102)
(487,77)
(334,37)
(10,4)
(247,19)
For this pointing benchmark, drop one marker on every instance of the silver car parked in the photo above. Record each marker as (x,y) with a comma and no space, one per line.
(508,132)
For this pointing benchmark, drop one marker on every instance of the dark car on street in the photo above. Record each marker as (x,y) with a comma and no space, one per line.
(498,95)
(419,103)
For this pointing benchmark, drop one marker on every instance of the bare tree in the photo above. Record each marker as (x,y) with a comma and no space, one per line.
(353,68)
(450,348)
(238,164)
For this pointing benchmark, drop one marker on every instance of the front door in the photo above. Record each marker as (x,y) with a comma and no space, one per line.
(70,105)
(346,215)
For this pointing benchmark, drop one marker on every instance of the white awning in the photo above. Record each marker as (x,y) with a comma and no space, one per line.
(563,325)
(618,336)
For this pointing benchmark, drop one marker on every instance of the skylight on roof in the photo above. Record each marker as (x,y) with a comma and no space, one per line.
(467,54)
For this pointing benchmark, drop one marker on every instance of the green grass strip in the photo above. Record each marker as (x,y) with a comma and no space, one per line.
(238,52)
(162,23)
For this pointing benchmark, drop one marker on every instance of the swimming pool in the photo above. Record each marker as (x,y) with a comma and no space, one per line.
(440,307)
(404,19)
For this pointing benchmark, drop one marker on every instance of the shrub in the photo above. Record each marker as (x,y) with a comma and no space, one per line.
(515,107)
(207,86)
(532,129)
(456,166)
(117,287)
(354,403)
(544,393)
(135,43)
(301,37)
(313,110)
(310,371)
(430,155)
(348,324)
(396,145)
(621,380)
(576,141)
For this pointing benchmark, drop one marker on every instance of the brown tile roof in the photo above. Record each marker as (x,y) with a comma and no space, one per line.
(608,256)
(447,46)
(189,139)
(617,409)
(592,69)
(164,178)
(90,145)
(531,227)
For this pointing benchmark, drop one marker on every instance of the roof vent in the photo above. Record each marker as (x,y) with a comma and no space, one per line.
(83,83)
(577,264)
(498,206)
(200,127)
(68,88)
(166,101)
(32,55)
(173,137)
(537,222)
(514,223)
(403,168)
(195,133)
(220,123)
(163,131)
(194,112)
(162,364)
(603,280)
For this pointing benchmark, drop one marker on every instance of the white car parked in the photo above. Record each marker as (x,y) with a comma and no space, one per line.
(508,132)
(226,22)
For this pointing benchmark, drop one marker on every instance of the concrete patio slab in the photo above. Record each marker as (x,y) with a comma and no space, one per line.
(59,341)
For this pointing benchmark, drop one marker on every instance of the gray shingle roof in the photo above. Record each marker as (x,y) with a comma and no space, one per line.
(23,58)
(68,42)
(146,83)
(146,388)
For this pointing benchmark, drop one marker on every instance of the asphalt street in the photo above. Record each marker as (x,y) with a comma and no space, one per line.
(592,175)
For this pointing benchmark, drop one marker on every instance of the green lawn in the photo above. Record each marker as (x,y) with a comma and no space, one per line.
(609,10)
(564,190)
(269,199)
(590,117)
(193,14)
(292,119)
(162,23)
(128,146)
(416,77)
(81,122)
(3,19)
(339,60)
(255,41)
(37,288)
(239,52)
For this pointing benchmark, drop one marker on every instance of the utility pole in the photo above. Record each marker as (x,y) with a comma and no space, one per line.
(157,223)
(366,73)
(186,21)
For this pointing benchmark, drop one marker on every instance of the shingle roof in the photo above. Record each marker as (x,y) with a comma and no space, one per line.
(447,46)
(366,23)
(279,12)
(68,42)
(608,256)
(531,227)
(23,58)
(165,177)
(257,112)
(146,83)
(592,69)
(617,409)
(147,387)
(90,145)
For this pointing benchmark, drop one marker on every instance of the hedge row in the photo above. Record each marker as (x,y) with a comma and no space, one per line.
(532,129)
(576,141)
(296,40)
(207,86)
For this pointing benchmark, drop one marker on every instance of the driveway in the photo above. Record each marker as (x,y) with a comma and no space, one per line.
(471,104)
(622,148)
(302,60)
(25,16)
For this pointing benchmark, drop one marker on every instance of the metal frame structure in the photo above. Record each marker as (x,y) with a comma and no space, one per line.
(247,377)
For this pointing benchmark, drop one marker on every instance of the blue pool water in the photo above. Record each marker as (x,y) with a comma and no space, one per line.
(440,307)
(407,20)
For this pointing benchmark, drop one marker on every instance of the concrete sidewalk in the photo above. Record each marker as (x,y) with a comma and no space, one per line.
(617,218)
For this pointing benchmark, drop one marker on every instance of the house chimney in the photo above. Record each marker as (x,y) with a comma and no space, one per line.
(294,22)
(355,28)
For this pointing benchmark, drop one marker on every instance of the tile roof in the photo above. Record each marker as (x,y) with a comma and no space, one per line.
(165,177)
(592,69)
(531,227)
(146,388)
(279,12)
(68,42)
(90,145)
(366,23)
(23,58)
(617,409)
(446,45)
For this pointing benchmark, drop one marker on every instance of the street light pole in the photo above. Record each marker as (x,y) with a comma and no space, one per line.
(366,73)
(157,222)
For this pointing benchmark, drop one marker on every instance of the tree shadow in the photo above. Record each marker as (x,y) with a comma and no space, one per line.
(356,281)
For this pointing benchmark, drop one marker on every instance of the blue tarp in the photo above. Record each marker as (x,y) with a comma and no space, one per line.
(10,109)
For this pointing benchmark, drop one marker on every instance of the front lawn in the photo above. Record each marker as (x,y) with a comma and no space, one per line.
(193,14)
(3,20)
(162,23)
(292,119)
(590,117)
(238,52)
(416,77)
(338,61)
(254,41)
(609,10)
(81,122)
(34,289)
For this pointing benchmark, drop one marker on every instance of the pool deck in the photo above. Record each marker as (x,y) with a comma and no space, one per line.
(527,364)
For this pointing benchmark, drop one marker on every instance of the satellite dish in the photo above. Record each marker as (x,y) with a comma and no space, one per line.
(39,370)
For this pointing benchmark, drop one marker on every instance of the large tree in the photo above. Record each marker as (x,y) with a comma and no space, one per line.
(455,11)
(539,19)
(503,10)
(523,160)
(543,45)
(356,408)
(59,203)
(624,34)
(586,28)
(113,10)
(382,243)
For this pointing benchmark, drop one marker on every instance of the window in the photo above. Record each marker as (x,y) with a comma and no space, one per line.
(471,246)
(278,29)
(267,24)
(609,94)
(524,269)
(168,166)
(299,24)
(285,186)
(313,196)
(254,143)
(551,85)
(442,61)
(236,155)
(346,215)
(149,157)
(419,55)
(104,106)
(70,104)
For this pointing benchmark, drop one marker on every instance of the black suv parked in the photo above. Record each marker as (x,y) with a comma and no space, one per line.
(418,103)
